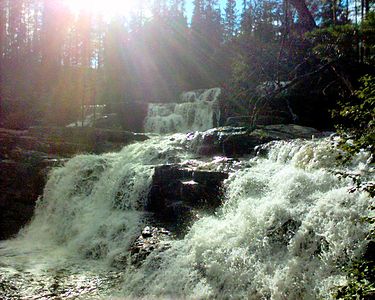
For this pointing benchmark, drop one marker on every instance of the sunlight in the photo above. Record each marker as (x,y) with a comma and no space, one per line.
(107,8)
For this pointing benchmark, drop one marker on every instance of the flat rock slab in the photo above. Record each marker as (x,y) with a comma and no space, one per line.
(66,141)
(238,141)
(85,139)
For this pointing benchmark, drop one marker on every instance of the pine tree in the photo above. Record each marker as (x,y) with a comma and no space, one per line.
(231,21)
(197,19)
(213,25)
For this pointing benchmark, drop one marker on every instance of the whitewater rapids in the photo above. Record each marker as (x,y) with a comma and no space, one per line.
(287,226)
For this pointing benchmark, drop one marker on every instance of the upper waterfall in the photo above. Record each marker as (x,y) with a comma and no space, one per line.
(196,111)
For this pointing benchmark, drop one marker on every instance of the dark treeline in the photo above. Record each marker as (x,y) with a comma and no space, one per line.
(53,62)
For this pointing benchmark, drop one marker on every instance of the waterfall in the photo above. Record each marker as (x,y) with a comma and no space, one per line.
(196,111)
(286,228)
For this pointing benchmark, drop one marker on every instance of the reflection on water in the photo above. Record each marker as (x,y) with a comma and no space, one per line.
(23,278)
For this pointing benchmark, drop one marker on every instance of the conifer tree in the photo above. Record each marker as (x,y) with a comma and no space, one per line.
(230,19)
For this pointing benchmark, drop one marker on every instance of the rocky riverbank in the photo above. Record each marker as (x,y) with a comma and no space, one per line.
(27,156)
(177,190)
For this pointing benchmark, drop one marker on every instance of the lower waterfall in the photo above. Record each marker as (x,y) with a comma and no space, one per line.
(287,226)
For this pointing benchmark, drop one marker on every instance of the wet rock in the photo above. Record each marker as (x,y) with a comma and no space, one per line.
(207,177)
(20,186)
(241,121)
(24,164)
(178,190)
(283,233)
(65,141)
(73,140)
(151,239)
(238,141)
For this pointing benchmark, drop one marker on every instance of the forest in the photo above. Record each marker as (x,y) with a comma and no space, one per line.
(55,62)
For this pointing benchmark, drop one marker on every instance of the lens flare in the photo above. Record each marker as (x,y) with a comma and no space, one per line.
(108,8)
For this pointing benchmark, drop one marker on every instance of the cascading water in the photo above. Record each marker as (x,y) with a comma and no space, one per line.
(197,111)
(287,226)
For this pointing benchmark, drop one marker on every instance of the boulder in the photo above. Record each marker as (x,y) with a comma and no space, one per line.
(282,233)
(177,191)
(151,239)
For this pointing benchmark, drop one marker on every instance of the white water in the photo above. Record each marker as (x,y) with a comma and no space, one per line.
(197,111)
(287,227)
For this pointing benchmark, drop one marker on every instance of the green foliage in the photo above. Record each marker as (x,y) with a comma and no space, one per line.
(335,42)
(361,273)
(356,127)
(356,119)
(361,282)
(368,28)
(345,42)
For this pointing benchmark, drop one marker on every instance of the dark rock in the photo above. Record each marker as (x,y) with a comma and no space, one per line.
(130,115)
(73,140)
(271,110)
(21,184)
(65,141)
(238,141)
(151,239)
(241,121)
(171,172)
(283,233)
(178,190)
(26,157)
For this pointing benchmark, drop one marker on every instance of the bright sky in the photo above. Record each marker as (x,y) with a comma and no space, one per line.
(106,7)
(112,7)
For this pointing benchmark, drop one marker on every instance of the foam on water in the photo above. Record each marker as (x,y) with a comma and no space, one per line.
(91,207)
(198,111)
(287,226)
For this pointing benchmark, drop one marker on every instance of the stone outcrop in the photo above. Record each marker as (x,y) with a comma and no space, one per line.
(21,183)
(177,195)
(65,141)
(238,141)
(177,191)
(73,140)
